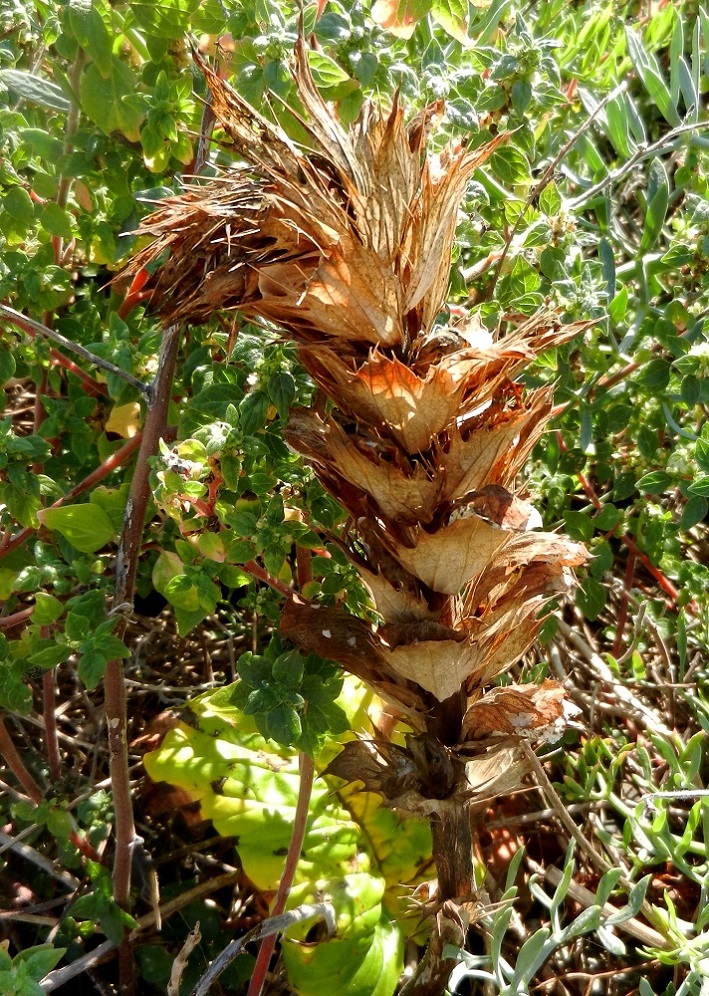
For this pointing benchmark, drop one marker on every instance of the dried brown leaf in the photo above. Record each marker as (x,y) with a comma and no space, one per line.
(533,711)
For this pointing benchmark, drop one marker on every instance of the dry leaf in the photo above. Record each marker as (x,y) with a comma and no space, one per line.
(523,710)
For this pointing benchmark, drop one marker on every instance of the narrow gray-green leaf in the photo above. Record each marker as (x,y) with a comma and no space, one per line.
(35,89)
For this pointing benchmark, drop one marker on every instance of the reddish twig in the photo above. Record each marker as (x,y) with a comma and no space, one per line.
(256,571)
(126,567)
(7,622)
(304,566)
(661,578)
(17,765)
(623,607)
(307,773)
(117,459)
(92,385)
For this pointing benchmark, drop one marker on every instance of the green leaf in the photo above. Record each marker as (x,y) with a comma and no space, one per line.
(50,656)
(252,411)
(509,165)
(18,203)
(654,483)
(35,89)
(452,15)
(652,78)
(700,486)
(655,375)
(102,99)
(7,366)
(59,823)
(607,518)
(47,609)
(591,598)
(92,667)
(40,960)
(92,34)
(281,391)
(281,724)
(166,19)
(693,512)
(329,76)
(579,525)
(632,907)
(658,200)
(56,220)
(87,527)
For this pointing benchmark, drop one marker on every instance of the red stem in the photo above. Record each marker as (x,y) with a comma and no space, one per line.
(623,607)
(17,766)
(662,580)
(304,566)
(94,386)
(307,773)
(251,567)
(7,622)
(117,459)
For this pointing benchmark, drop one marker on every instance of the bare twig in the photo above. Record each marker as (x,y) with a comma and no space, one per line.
(33,328)
(126,568)
(269,928)
(60,976)
(603,672)
(549,172)
(180,962)
(17,765)
(30,854)
(642,152)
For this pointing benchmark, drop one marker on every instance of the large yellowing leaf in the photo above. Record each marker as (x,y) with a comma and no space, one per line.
(400,17)
(363,958)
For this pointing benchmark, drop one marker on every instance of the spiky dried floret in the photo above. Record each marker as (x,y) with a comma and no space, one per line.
(344,243)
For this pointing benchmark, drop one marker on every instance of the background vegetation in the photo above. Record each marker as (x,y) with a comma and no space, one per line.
(597,205)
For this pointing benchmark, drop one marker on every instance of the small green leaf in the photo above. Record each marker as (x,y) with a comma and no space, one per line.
(92,667)
(50,656)
(656,210)
(700,486)
(91,32)
(252,411)
(693,512)
(452,15)
(281,391)
(7,366)
(40,960)
(56,220)
(281,724)
(654,483)
(167,19)
(59,823)
(87,527)
(579,525)
(591,598)
(652,78)
(47,609)
(607,518)
(18,203)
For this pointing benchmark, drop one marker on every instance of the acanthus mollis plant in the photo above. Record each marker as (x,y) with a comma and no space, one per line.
(419,429)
